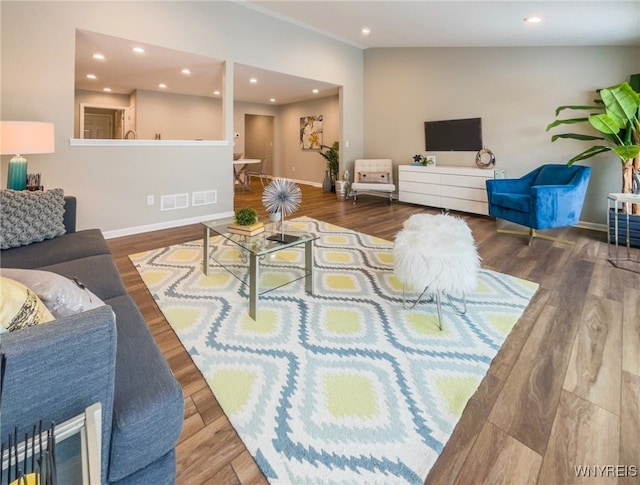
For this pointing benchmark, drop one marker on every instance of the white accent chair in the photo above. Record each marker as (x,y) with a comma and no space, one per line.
(373,175)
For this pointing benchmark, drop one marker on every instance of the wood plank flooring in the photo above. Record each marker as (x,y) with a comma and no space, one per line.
(563,392)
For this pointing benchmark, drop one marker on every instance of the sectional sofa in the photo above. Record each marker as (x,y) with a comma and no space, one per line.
(102,353)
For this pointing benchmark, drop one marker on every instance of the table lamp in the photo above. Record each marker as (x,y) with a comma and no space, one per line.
(23,137)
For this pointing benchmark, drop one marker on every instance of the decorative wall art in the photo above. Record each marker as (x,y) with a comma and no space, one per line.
(311,132)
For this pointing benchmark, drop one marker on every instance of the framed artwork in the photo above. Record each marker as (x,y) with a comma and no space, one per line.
(311,132)
(431,160)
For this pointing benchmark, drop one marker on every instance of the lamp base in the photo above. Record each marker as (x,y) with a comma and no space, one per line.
(17,173)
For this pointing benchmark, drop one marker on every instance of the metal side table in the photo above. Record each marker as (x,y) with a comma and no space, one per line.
(617,220)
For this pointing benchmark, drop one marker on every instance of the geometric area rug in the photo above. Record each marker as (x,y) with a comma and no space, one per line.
(343,386)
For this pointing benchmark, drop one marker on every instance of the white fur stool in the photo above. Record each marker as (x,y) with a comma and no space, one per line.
(436,254)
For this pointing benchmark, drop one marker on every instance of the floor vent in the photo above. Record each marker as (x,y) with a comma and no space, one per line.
(206,197)
(174,201)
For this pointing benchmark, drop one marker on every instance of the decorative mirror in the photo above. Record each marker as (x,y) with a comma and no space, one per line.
(485,158)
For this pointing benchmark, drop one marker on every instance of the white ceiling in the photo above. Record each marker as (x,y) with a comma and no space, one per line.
(123,71)
(454,23)
(393,23)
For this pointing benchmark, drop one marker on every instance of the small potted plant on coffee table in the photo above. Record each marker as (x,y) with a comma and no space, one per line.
(246,222)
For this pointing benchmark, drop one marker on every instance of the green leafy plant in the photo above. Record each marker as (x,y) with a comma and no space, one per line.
(332,156)
(616,116)
(422,160)
(246,216)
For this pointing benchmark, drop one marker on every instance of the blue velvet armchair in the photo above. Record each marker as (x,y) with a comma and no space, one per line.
(549,196)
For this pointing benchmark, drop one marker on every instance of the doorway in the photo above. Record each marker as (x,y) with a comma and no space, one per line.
(259,139)
(103,123)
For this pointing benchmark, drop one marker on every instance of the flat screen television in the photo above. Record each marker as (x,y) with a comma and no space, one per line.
(453,135)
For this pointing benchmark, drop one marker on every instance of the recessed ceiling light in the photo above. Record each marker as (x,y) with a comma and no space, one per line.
(533,20)
(162,86)
(186,71)
(217,93)
(106,90)
(273,100)
(253,80)
(315,91)
(138,50)
(91,76)
(98,56)
(366,30)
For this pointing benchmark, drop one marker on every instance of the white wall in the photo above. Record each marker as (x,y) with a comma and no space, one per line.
(514,90)
(112,183)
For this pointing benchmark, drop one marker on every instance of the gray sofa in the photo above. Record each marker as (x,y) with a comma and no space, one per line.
(106,354)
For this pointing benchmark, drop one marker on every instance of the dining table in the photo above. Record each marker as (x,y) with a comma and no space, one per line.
(240,168)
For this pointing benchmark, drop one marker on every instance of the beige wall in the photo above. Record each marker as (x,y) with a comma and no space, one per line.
(178,116)
(514,90)
(112,183)
(289,160)
(260,140)
(307,165)
(240,144)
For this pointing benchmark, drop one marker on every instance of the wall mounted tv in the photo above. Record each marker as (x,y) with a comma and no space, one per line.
(453,135)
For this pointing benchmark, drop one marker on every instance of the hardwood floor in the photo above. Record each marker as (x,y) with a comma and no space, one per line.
(564,390)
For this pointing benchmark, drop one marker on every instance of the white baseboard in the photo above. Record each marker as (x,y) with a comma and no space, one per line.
(129,231)
(303,182)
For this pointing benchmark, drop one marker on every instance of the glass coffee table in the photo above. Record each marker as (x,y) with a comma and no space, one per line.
(255,250)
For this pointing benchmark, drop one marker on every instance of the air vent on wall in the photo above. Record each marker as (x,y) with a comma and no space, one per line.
(174,201)
(205,197)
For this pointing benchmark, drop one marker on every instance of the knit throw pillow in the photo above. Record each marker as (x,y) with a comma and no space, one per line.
(27,217)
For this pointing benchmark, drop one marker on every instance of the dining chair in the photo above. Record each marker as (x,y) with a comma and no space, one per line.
(260,172)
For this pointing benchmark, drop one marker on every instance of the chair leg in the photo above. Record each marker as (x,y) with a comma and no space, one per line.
(404,301)
(438,303)
(439,307)
(438,298)
(464,305)
(355,198)
(532,233)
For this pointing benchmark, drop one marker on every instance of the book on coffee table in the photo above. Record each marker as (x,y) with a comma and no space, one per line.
(250,230)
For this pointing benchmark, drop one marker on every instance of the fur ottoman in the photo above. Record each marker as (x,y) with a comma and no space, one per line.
(436,254)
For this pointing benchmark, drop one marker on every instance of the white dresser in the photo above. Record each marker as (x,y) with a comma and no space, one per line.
(447,187)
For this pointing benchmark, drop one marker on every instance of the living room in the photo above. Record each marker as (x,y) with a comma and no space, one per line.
(386,95)
(497,84)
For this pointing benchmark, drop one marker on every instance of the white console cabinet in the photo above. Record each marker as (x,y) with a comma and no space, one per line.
(447,187)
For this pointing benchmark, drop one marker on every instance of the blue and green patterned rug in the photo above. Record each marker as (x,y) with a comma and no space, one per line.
(344,386)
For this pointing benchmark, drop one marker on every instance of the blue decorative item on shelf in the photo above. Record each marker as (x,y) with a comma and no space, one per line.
(17,173)
(23,137)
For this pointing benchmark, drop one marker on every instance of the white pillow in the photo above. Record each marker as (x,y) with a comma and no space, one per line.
(62,296)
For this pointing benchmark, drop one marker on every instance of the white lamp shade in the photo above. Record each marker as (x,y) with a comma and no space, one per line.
(26,137)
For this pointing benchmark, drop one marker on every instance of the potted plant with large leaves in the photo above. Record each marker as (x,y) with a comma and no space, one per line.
(332,156)
(616,116)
